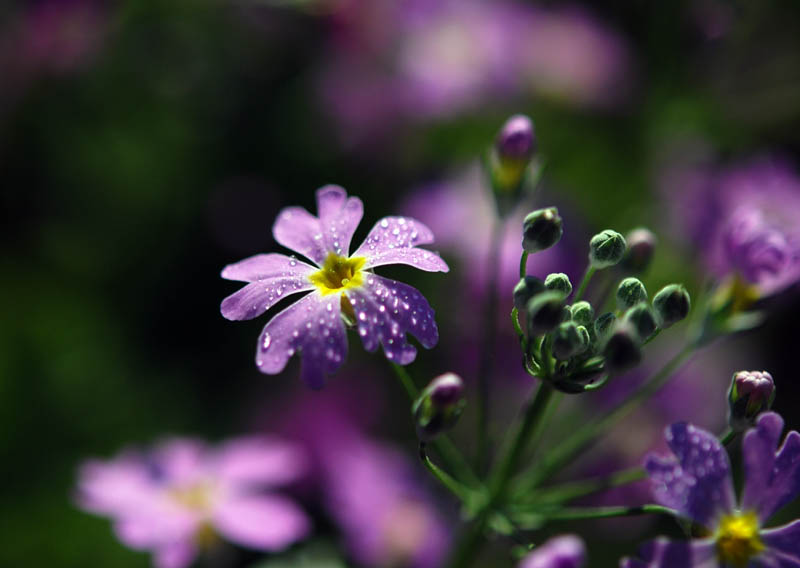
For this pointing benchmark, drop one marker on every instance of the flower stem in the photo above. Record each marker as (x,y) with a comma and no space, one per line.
(573,490)
(590,270)
(456,488)
(727,436)
(579,513)
(523,264)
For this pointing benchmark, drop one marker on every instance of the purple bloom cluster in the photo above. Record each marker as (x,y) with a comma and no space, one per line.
(697,483)
(178,499)
(342,288)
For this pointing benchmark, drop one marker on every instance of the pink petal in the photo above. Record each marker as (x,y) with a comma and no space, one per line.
(392,241)
(175,555)
(264,522)
(260,460)
(265,267)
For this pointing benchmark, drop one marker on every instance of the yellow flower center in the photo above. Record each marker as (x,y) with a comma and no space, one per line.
(738,540)
(338,274)
(196,497)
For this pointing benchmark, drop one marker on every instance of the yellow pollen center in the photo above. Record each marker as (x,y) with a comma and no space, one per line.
(338,274)
(738,540)
(196,497)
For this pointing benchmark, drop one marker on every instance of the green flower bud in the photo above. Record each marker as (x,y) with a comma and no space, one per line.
(560,282)
(671,304)
(582,313)
(622,348)
(541,229)
(751,393)
(606,249)
(439,406)
(526,289)
(643,320)
(568,341)
(641,246)
(545,312)
(586,337)
(603,323)
(630,292)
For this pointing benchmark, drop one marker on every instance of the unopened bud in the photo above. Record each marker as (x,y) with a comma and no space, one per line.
(559,282)
(516,141)
(671,305)
(568,341)
(606,249)
(541,229)
(603,323)
(641,246)
(545,312)
(751,393)
(582,313)
(526,289)
(630,292)
(439,406)
(643,320)
(622,348)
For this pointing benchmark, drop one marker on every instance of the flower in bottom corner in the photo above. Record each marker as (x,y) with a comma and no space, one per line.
(565,551)
(697,483)
(181,498)
(342,288)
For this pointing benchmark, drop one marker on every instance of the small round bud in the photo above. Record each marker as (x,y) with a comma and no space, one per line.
(622,348)
(603,323)
(541,229)
(586,337)
(641,246)
(526,289)
(568,341)
(630,292)
(516,141)
(582,313)
(439,406)
(545,312)
(671,304)
(560,282)
(606,249)
(643,320)
(751,393)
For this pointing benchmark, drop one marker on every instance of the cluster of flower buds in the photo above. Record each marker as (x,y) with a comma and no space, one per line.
(574,341)
(751,393)
(439,406)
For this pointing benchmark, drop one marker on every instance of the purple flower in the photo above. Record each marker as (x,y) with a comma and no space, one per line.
(697,483)
(342,285)
(566,551)
(180,498)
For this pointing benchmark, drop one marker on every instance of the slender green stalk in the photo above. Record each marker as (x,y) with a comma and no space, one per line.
(523,264)
(573,490)
(456,488)
(590,270)
(580,513)
(727,436)
(406,381)
(466,548)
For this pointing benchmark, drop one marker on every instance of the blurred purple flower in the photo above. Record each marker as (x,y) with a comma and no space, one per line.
(697,483)
(566,551)
(178,499)
(744,218)
(341,285)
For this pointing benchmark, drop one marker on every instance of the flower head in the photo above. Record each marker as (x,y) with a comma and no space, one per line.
(566,551)
(342,286)
(181,497)
(697,483)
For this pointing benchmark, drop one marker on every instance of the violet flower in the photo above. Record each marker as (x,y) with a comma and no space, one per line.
(179,499)
(697,483)
(566,551)
(342,286)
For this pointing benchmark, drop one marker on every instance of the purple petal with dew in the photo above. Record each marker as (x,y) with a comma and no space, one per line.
(567,551)
(393,240)
(386,311)
(698,483)
(263,522)
(772,475)
(663,553)
(272,277)
(313,237)
(783,544)
(311,326)
(260,460)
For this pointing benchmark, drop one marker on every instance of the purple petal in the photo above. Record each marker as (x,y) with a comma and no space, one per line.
(698,482)
(272,277)
(663,553)
(567,551)
(392,241)
(264,522)
(260,461)
(313,327)
(313,237)
(115,487)
(772,476)
(385,311)
(783,544)
(175,555)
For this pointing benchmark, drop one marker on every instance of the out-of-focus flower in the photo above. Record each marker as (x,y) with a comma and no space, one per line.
(744,219)
(567,551)
(697,483)
(180,498)
(341,284)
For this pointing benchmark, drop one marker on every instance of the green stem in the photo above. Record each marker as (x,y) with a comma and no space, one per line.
(570,448)
(590,270)
(467,547)
(456,488)
(580,513)
(523,264)
(574,490)
(406,381)
(727,436)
